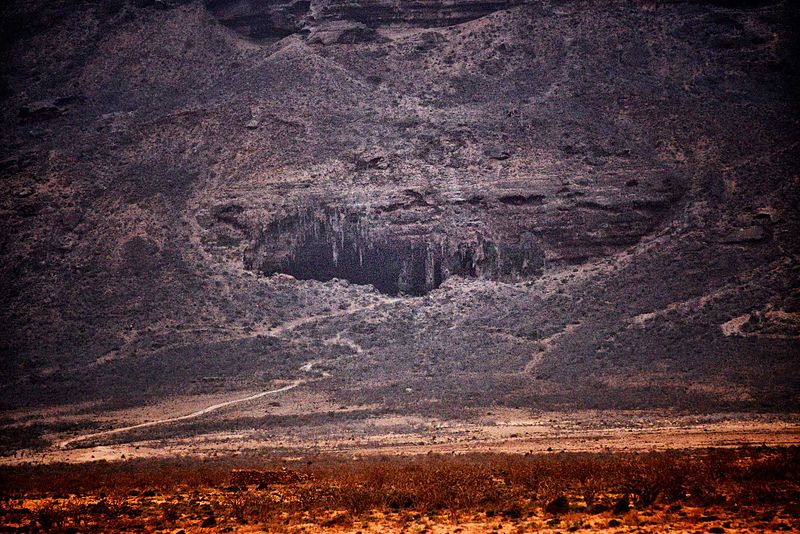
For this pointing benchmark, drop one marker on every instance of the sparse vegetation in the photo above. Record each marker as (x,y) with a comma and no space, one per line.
(759,487)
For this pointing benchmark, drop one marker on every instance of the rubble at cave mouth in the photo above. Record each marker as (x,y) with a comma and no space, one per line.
(332,243)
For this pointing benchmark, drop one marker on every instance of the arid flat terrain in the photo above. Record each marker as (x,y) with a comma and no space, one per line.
(302,424)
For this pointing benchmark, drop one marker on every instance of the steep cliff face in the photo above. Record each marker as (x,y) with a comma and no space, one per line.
(551,204)
(277,19)
(412,241)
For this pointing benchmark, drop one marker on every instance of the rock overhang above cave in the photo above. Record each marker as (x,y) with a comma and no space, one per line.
(407,238)
(332,21)
(413,247)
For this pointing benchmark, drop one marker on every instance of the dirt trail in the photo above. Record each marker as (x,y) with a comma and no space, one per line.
(276,331)
(192,415)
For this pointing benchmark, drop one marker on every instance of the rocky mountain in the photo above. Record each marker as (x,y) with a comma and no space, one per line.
(445,206)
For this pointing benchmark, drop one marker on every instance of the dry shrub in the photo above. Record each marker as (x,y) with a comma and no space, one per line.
(246,507)
(772,465)
(116,478)
(343,490)
(591,478)
(648,477)
(549,488)
(590,488)
(428,486)
(356,497)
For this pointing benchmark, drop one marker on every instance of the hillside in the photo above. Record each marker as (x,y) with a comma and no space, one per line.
(401,207)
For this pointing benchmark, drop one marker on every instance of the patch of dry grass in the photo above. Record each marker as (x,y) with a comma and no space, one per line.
(564,491)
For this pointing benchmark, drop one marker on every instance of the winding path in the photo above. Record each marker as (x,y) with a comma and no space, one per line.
(192,415)
(275,331)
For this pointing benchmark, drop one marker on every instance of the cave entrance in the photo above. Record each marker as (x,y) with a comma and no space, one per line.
(334,243)
(392,267)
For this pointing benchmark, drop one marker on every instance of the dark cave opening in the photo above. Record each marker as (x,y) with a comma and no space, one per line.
(332,243)
(393,268)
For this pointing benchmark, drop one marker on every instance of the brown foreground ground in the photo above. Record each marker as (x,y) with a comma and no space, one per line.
(748,489)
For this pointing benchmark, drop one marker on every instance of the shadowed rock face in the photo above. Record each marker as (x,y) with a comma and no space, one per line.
(420,13)
(277,19)
(584,205)
(261,20)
